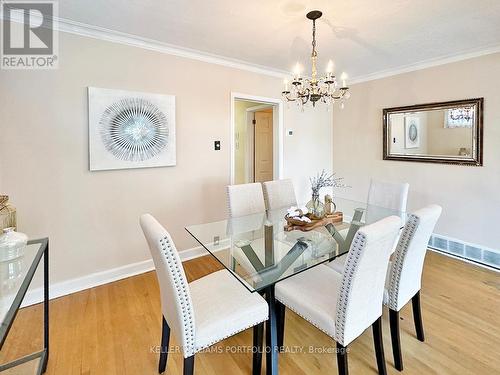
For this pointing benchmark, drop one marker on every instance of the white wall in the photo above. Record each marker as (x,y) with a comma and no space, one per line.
(309,150)
(92,217)
(469,195)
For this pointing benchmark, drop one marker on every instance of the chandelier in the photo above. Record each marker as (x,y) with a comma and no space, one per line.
(464,114)
(311,90)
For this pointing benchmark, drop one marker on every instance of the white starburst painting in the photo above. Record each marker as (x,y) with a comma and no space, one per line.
(130,129)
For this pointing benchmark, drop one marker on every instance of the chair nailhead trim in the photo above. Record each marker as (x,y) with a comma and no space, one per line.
(399,259)
(183,297)
(228,202)
(353,257)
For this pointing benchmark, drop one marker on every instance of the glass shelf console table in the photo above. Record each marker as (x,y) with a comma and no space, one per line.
(15,278)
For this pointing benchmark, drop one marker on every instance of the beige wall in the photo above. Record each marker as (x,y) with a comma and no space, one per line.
(92,217)
(469,195)
(1,160)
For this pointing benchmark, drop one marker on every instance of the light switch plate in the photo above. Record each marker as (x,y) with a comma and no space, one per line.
(217,145)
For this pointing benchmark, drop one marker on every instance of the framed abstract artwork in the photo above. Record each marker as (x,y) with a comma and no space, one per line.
(412,132)
(130,129)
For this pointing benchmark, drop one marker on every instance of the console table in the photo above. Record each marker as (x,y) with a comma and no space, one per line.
(15,278)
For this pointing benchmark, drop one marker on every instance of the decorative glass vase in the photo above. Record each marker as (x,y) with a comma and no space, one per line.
(315,207)
(7,214)
(12,244)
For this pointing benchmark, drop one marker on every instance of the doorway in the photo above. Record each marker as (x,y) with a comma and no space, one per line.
(256,146)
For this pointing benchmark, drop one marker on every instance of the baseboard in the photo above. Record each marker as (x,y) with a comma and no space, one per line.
(104,277)
(193,253)
(458,249)
(78,284)
(466,251)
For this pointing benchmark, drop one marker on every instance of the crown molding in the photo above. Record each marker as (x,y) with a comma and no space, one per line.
(425,64)
(101,33)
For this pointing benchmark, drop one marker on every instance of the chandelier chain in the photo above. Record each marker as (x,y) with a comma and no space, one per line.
(314,38)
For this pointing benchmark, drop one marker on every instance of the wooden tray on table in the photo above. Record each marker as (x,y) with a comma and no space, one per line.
(294,224)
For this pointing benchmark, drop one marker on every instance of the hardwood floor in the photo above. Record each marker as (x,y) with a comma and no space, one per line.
(115,328)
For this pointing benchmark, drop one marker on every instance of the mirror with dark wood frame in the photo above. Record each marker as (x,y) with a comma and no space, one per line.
(447,132)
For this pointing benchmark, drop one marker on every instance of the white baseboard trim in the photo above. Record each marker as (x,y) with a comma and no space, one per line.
(193,253)
(465,260)
(65,288)
(78,284)
(467,251)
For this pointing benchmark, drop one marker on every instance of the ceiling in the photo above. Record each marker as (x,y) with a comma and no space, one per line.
(363,37)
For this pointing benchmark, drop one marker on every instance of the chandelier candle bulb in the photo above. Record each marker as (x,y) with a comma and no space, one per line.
(296,71)
(286,85)
(329,68)
(344,79)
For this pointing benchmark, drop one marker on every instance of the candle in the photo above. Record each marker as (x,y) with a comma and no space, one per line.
(329,68)
(343,77)
(286,84)
(296,70)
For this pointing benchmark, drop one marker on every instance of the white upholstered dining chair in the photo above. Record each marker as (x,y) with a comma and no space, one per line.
(245,199)
(205,311)
(390,195)
(246,203)
(279,194)
(344,305)
(404,276)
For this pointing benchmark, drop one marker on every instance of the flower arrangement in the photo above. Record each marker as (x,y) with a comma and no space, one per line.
(325,180)
(315,206)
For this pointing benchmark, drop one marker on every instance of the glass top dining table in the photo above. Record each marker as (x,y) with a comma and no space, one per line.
(259,251)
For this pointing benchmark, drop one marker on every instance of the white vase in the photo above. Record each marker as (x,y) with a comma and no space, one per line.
(12,244)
